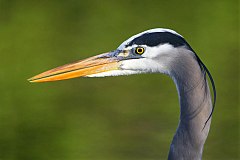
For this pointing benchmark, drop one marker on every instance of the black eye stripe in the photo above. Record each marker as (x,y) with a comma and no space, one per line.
(157,38)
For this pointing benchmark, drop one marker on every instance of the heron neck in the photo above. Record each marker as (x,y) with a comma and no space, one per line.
(195,107)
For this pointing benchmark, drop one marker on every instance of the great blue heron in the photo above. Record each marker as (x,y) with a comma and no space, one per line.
(157,51)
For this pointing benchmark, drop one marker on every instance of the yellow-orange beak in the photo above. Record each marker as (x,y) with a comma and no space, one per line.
(93,65)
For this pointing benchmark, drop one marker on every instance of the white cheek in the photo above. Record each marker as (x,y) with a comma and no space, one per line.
(114,73)
(157,51)
(143,65)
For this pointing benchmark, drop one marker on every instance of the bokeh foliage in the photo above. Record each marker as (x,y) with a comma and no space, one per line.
(113,118)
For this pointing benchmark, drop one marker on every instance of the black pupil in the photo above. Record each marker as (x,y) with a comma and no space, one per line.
(140,50)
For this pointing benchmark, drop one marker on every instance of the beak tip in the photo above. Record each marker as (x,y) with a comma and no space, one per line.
(30,80)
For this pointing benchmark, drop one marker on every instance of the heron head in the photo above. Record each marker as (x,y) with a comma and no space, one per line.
(148,52)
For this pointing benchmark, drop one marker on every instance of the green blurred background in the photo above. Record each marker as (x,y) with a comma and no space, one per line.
(116,118)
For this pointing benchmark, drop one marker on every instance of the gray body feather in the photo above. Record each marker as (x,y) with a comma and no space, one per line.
(195,108)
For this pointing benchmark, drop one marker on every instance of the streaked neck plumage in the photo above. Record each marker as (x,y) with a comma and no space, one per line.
(195,108)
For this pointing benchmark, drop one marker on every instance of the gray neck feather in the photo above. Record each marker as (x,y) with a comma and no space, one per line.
(195,107)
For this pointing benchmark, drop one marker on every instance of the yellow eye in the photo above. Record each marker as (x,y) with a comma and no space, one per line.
(139,50)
